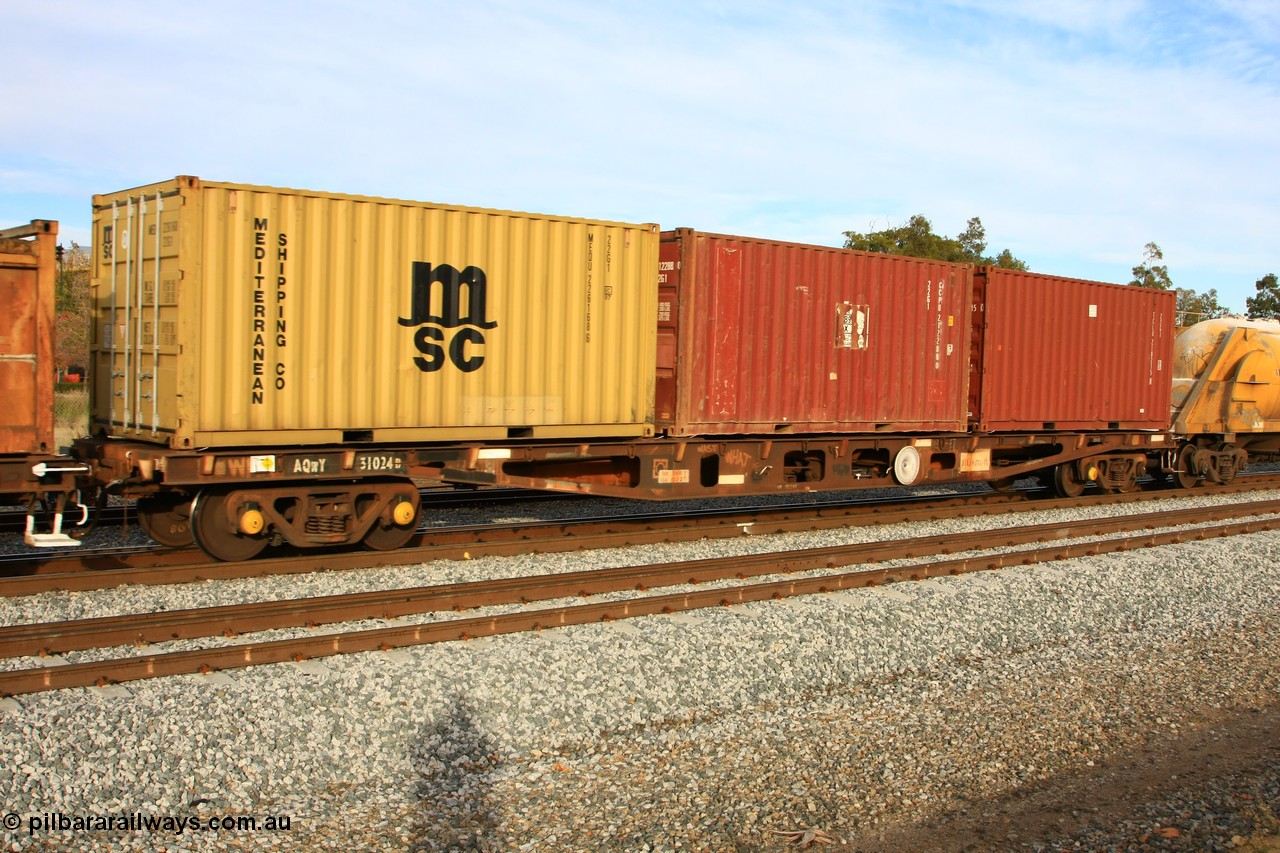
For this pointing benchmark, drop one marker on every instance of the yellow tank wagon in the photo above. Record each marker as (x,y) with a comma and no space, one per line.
(1226,395)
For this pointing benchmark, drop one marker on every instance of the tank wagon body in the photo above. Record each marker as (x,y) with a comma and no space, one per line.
(31,471)
(284,366)
(1226,396)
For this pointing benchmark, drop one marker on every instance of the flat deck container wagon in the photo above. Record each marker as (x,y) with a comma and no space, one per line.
(788,367)
(284,366)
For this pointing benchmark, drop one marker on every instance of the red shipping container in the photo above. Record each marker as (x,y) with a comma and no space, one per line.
(1066,354)
(762,337)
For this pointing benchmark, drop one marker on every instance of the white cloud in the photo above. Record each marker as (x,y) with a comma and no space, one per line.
(1078,131)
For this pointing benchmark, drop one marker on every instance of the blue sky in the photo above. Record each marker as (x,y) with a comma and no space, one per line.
(1077,131)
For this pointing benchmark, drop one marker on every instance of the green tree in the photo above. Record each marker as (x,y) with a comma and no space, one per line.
(1006,260)
(915,238)
(1149,273)
(72,306)
(1194,307)
(1266,305)
(973,241)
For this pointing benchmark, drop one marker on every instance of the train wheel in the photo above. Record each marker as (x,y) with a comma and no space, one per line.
(1002,484)
(404,524)
(1066,482)
(217,534)
(166,518)
(1183,478)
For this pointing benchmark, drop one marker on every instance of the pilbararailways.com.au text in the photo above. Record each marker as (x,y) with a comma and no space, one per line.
(175,824)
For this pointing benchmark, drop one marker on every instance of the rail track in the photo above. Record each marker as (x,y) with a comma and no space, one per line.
(14,520)
(27,574)
(1125,533)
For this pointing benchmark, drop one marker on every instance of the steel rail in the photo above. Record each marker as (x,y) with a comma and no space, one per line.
(205,660)
(15,520)
(464,543)
(101,632)
(166,567)
(482,533)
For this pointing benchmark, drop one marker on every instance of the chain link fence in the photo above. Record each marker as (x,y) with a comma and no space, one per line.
(70,412)
(73,308)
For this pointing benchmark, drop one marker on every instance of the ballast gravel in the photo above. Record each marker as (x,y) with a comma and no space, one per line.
(860,715)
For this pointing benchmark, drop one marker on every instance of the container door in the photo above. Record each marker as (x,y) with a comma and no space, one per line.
(19,294)
(978,321)
(669,274)
(135,337)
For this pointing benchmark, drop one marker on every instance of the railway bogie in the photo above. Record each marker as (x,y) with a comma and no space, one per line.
(1212,461)
(238,501)
(239,523)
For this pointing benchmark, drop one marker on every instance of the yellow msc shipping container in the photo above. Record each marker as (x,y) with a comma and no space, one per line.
(235,315)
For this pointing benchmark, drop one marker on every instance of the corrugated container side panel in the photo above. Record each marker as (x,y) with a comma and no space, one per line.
(780,336)
(217,327)
(312,312)
(812,399)
(1070,354)
(27,276)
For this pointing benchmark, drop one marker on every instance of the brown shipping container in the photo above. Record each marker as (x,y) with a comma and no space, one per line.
(279,316)
(1066,354)
(763,337)
(28,273)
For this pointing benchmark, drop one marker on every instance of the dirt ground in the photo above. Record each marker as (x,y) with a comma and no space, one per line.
(1126,802)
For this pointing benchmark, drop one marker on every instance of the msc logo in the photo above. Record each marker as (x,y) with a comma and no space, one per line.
(438,307)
